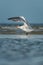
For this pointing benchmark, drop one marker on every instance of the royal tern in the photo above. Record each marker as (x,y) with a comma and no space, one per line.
(25,27)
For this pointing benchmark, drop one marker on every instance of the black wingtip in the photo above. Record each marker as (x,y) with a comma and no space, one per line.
(12,18)
(9,18)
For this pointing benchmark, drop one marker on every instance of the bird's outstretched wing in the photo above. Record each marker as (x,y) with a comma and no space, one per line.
(19,18)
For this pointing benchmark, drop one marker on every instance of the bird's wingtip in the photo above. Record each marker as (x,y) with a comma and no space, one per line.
(9,18)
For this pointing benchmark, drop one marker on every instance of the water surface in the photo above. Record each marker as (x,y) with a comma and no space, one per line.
(21,49)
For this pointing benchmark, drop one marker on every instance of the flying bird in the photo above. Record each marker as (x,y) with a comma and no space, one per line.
(25,27)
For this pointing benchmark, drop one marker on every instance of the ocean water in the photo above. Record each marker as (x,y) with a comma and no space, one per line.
(21,49)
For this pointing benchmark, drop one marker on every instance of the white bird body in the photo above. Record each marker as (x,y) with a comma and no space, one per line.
(25,28)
